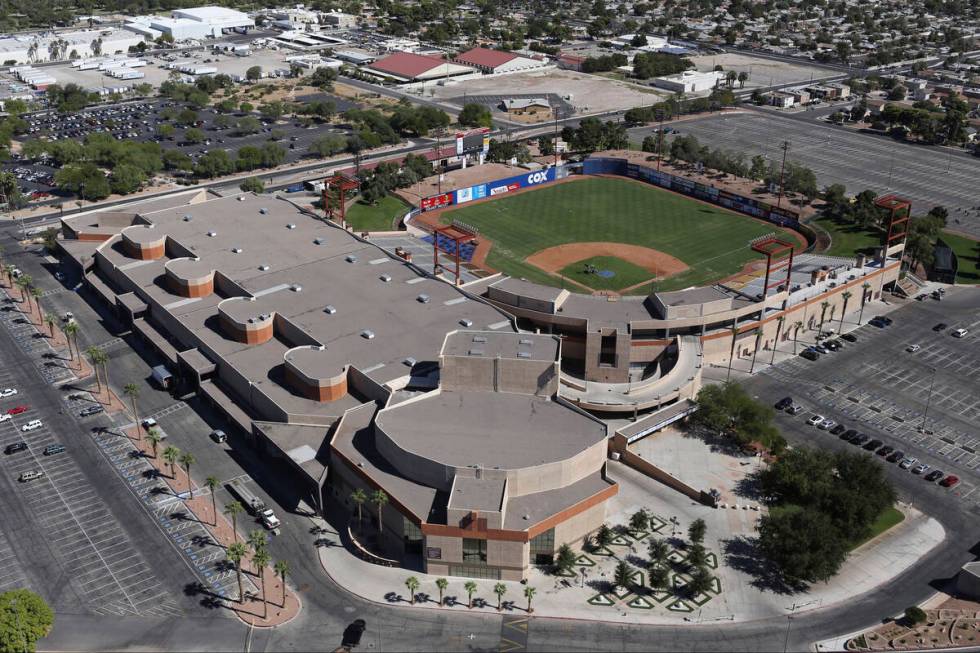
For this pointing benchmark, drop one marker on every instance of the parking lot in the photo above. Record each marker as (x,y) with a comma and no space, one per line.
(924,403)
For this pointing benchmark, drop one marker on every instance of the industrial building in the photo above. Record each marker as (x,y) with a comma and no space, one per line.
(349,368)
(495,62)
(29,48)
(411,67)
(192,23)
(689,81)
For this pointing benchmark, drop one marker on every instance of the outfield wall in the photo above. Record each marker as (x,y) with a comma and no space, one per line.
(741,203)
(494,188)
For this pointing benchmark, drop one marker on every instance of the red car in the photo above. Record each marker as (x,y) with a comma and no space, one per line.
(949,481)
(17,410)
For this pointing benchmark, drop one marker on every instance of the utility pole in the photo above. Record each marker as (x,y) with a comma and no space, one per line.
(782,170)
(660,147)
(554,143)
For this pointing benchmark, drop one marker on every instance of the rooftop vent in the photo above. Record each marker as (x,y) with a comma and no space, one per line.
(237,250)
(330,310)
(351,258)
(241,198)
(410,361)
(385,277)
(264,267)
(526,341)
(263,210)
(367,333)
(212,234)
(188,217)
(290,226)
(475,352)
(466,323)
(317,241)
(423,298)
(523,354)
(296,287)
(479,338)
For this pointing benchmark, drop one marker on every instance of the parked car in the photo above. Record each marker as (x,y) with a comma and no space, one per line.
(950,481)
(873,444)
(91,410)
(353,633)
(15,447)
(7,392)
(833,345)
(219,436)
(53,449)
(848,434)
(826,424)
(30,475)
(934,476)
(885,451)
(921,468)
(913,348)
(850,337)
(908,462)
(895,456)
(32,425)
(860,440)
(785,402)
(837,430)
(4,417)
(960,333)
(939,328)
(810,354)
(17,410)
(815,419)
(877,322)
(795,409)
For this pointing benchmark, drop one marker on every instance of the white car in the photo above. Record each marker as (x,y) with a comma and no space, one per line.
(5,416)
(7,392)
(815,419)
(32,425)
(826,424)
(920,469)
(960,333)
(908,462)
(913,348)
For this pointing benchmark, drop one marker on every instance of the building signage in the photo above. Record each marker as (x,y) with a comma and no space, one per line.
(433,552)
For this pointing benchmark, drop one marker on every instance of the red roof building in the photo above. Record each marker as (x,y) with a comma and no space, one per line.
(411,67)
(497,61)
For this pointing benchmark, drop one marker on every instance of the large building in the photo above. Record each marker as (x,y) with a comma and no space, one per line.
(22,49)
(411,67)
(689,81)
(495,62)
(350,368)
(193,23)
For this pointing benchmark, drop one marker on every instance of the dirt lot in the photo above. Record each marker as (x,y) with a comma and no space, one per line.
(454,179)
(762,72)
(589,93)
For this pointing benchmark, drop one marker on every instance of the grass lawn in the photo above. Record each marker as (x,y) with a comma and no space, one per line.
(847,239)
(889,517)
(712,241)
(625,274)
(380,217)
(967,256)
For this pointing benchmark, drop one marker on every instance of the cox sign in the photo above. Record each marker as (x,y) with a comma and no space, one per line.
(540,177)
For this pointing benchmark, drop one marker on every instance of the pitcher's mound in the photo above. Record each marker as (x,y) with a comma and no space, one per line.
(659,264)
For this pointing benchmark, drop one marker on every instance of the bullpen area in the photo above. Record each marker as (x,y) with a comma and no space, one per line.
(604,234)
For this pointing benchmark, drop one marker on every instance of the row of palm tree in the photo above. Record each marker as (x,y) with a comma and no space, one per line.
(412,584)
(29,292)
(258,544)
(379,498)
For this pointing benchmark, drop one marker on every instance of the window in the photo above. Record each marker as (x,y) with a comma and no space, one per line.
(412,536)
(488,573)
(542,548)
(607,351)
(474,551)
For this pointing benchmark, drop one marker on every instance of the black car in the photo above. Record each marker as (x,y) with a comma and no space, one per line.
(895,456)
(91,410)
(873,444)
(353,633)
(784,403)
(15,447)
(850,337)
(934,476)
(877,322)
(848,435)
(939,328)
(810,354)
(860,440)
(884,451)
(832,345)
(887,320)
(837,430)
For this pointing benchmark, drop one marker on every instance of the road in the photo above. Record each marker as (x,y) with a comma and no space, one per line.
(929,176)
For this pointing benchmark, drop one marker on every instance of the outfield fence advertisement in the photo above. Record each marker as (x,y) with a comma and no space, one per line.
(751,206)
(493,188)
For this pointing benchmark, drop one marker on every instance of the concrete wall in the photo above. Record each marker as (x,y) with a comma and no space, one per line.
(577,527)
(527,376)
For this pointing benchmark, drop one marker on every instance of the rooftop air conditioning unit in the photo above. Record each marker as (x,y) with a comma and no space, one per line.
(479,339)
(212,234)
(263,210)
(237,250)
(296,287)
(423,298)
(523,354)
(351,258)
(329,310)
(367,333)
(385,277)
(526,341)
(188,218)
(466,323)
(410,361)
(290,226)
(475,352)
(317,241)
(264,268)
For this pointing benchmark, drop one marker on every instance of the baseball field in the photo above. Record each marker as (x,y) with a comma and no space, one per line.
(608,234)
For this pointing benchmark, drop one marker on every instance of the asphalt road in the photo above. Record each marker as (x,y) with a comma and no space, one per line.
(929,176)
(329,608)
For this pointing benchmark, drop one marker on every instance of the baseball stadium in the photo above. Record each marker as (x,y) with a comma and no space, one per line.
(463,365)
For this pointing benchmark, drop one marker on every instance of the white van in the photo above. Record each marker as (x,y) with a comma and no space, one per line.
(30,475)
(32,425)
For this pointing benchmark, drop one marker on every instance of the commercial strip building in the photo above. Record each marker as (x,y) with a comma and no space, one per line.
(349,368)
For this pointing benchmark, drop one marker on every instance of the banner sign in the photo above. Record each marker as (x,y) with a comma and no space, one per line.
(436,201)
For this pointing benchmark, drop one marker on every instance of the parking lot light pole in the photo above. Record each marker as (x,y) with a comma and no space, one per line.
(925,415)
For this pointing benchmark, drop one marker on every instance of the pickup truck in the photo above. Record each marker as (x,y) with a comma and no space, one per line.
(269,519)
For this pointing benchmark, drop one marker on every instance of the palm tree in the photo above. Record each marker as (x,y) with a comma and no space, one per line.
(236,553)
(779,328)
(441,584)
(50,321)
(824,305)
(132,391)
(154,437)
(730,77)
(470,588)
(282,570)
(21,286)
(71,334)
(658,550)
(846,295)
(742,78)
(379,498)
(499,589)
(358,496)
(755,349)
(102,358)
(212,484)
(172,454)
(622,574)
(658,577)
(92,353)
(186,460)
(529,594)
(256,540)
(864,299)
(603,535)
(36,294)
(412,583)
(260,559)
(234,509)
(796,333)
(731,354)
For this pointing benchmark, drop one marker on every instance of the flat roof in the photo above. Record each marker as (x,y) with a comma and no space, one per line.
(692,296)
(477,494)
(492,344)
(525,511)
(494,430)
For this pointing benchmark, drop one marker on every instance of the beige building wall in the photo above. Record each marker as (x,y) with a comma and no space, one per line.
(574,529)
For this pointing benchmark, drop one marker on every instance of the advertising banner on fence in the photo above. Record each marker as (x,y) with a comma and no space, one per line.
(507,185)
(436,201)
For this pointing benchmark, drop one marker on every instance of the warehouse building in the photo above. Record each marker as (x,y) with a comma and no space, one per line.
(410,67)
(493,62)
(690,81)
(26,48)
(193,23)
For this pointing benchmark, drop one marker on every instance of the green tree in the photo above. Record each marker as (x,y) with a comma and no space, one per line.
(603,536)
(25,618)
(697,557)
(622,574)
(172,454)
(700,582)
(248,125)
(186,460)
(359,497)
(474,114)
(187,117)
(177,160)
(212,484)
(50,321)
(529,594)
(132,391)
(261,560)
(236,552)
(328,145)
(658,577)
(499,589)
(639,521)
(194,135)
(696,531)
(441,585)
(915,615)
(412,584)
(254,73)
(234,509)
(71,335)
(126,179)
(470,588)
(728,409)
(154,438)
(803,543)
(658,550)
(252,185)
(379,498)
(246,107)
(282,570)
(215,163)
(565,559)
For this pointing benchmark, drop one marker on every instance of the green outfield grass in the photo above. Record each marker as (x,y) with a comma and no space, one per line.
(380,217)
(847,239)
(625,274)
(712,241)
(967,257)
